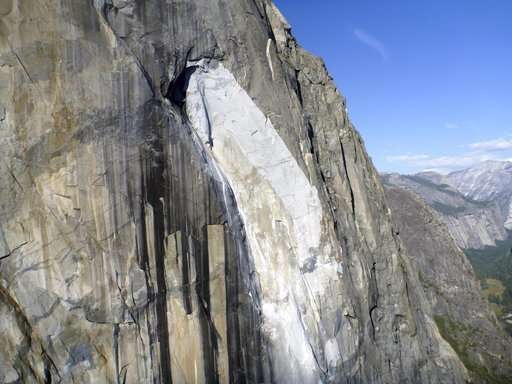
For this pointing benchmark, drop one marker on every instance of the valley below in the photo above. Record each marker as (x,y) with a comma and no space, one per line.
(493,267)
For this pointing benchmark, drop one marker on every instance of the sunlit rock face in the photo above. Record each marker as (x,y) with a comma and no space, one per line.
(185,200)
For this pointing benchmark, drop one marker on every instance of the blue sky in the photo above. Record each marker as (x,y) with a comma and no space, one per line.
(428,83)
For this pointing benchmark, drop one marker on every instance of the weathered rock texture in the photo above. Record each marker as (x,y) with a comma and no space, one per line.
(185,200)
(447,277)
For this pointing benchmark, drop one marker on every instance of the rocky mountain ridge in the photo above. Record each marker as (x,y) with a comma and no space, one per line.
(474,203)
(486,181)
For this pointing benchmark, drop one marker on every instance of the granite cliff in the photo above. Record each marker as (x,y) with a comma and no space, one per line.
(185,200)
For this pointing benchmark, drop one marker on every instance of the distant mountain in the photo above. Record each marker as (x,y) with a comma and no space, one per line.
(473,224)
(490,181)
(486,181)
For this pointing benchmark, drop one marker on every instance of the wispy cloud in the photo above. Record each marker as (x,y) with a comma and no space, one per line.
(441,164)
(372,42)
(499,144)
(451,125)
(407,158)
(499,149)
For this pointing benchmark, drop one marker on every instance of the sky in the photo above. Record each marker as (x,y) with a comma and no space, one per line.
(428,83)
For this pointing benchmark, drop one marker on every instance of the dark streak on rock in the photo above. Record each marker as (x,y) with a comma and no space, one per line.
(115,347)
(373,298)
(13,250)
(154,181)
(33,344)
(345,166)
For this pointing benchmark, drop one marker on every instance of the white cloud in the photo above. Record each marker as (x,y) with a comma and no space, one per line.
(492,145)
(442,164)
(451,125)
(372,42)
(499,149)
(407,158)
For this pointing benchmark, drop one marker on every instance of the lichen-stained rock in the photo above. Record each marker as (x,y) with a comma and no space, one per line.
(184,199)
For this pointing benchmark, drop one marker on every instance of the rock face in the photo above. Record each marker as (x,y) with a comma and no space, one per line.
(185,200)
(473,224)
(463,316)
